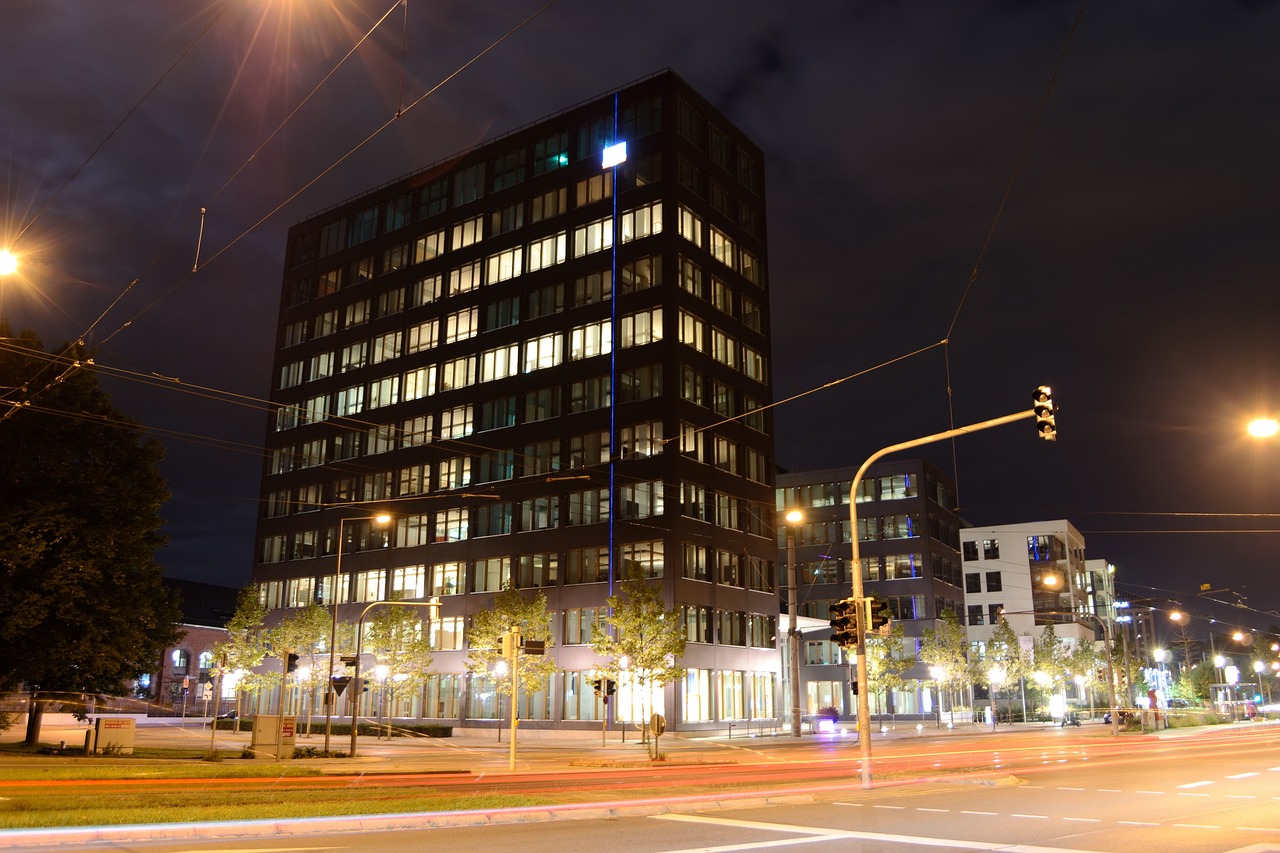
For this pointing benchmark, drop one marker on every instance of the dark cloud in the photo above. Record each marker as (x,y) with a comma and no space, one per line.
(1133,267)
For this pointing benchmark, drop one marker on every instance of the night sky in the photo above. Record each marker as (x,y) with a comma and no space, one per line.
(1133,266)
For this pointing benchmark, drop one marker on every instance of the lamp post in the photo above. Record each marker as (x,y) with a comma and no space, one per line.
(938,674)
(794,517)
(996,675)
(330,698)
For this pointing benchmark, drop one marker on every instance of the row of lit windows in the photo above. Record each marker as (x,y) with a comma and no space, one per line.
(541,253)
(468,184)
(588,340)
(644,499)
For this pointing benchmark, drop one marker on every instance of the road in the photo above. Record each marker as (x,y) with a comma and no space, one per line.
(1039,791)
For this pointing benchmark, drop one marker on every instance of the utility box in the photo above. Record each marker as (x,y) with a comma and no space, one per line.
(110,736)
(273,736)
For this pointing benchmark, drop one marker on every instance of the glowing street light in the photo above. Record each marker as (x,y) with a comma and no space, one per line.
(8,262)
(1264,427)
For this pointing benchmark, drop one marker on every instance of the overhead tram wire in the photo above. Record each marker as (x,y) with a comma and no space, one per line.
(339,161)
(991,230)
(818,388)
(243,234)
(128,115)
(302,103)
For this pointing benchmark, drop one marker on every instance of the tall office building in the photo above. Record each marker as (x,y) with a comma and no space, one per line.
(909,540)
(547,358)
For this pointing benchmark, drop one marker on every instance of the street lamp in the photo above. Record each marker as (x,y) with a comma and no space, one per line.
(8,262)
(330,698)
(996,675)
(938,674)
(1264,427)
(794,517)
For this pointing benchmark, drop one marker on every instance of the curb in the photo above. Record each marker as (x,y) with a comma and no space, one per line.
(30,839)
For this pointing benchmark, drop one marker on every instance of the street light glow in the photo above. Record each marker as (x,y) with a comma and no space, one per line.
(8,262)
(1264,427)
(795,516)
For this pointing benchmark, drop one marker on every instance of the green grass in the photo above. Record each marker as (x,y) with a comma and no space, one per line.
(49,809)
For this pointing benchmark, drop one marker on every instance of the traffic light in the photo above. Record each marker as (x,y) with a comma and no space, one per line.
(878,618)
(596,684)
(844,619)
(1042,403)
(291,663)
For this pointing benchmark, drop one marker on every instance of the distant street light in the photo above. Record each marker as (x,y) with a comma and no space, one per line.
(330,698)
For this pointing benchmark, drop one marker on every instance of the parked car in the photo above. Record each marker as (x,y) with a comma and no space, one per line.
(1178,702)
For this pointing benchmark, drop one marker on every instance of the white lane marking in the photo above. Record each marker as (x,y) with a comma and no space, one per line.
(1084,819)
(1242,796)
(1196,826)
(1109,791)
(1032,816)
(939,811)
(1063,788)
(889,807)
(1200,784)
(1136,823)
(1148,792)
(987,814)
(818,833)
(1186,794)
(1243,775)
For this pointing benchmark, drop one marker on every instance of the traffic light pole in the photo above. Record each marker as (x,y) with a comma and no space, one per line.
(864,700)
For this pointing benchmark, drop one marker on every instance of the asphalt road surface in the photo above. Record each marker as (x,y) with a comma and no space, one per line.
(1216,792)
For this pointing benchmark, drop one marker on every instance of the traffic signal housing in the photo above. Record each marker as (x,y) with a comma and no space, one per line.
(844,619)
(291,663)
(1042,404)
(878,618)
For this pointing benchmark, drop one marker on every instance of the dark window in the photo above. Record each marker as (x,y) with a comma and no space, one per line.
(993,582)
(993,613)
(975,614)
(972,582)
(970,551)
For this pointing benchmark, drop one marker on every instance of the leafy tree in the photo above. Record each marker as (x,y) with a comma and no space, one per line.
(84,609)
(399,641)
(245,646)
(946,647)
(646,635)
(512,608)
(885,668)
(303,633)
(1196,683)
(1005,662)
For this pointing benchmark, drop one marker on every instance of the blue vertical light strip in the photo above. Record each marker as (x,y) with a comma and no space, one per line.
(613,361)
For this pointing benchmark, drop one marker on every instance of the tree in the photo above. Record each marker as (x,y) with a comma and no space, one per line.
(511,608)
(245,646)
(399,641)
(303,632)
(945,649)
(885,662)
(85,610)
(644,640)
(1006,663)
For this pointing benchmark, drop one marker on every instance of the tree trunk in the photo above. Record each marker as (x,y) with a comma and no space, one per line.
(35,715)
